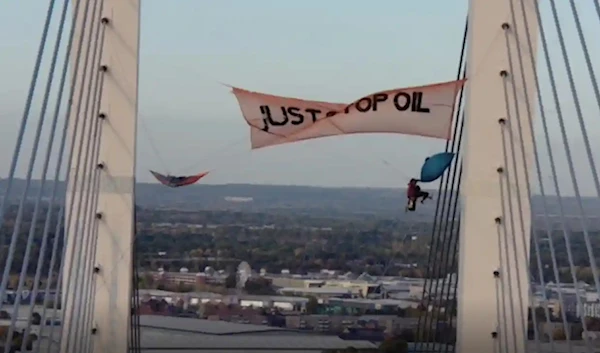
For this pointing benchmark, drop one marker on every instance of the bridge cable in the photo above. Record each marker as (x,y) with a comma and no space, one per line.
(528,192)
(586,141)
(587,57)
(503,238)
(547,138)
(88,109)
(135,337)
(443,259)
(77,223)
(16,227)
(33,223)
(424,319)
(567,149)
(446,260)
(18,222)
(509,128)
(505,190)
(92,217)
(22,128)
(59,233)
(448,306)
(597,7)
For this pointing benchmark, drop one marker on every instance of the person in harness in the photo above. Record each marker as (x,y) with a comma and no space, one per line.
(176,180)
(413,193)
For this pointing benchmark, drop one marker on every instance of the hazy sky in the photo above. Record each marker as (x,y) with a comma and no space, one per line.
(325,50)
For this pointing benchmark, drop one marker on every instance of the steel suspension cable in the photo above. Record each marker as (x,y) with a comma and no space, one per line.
(553,168)
(30,237)
(586,53)
(61,233)
(446,235)
(434,243)
(135,341)
(505,269)
(526,172)
(77,223)
(566,144)
(501,288)
(90,219)
(545,206)
(93,218)
(22,128)
(505,177)
(32,159)
(451,305)
(567,148)
(89,295)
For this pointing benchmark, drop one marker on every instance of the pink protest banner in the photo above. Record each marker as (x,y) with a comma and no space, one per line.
(422,111)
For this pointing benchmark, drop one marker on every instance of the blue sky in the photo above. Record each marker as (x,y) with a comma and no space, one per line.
(326,50)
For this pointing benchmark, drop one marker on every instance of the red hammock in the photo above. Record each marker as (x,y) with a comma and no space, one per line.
(178,181)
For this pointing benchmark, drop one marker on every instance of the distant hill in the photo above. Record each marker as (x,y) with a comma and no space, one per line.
(379,202)
(256,198)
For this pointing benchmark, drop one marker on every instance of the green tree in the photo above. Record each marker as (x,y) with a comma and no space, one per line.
(259,286)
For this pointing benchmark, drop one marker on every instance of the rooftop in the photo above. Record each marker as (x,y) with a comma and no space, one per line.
(205,327)
(161,334)
(163,339)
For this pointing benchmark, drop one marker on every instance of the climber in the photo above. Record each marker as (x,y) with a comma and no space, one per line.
(413,193)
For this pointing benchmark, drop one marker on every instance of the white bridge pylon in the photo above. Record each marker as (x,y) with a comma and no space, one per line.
(112,224)
(486,274)
(496,208)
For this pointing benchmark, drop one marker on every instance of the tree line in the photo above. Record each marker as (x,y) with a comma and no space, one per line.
(301,243)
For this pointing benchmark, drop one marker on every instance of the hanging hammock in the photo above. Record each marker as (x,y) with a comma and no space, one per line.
(178,181)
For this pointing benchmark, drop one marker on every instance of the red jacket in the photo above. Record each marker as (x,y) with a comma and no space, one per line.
(413,190)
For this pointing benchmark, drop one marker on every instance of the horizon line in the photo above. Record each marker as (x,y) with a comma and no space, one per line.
(290,185)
